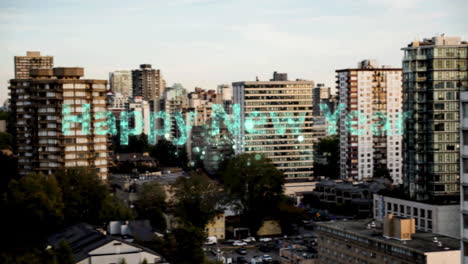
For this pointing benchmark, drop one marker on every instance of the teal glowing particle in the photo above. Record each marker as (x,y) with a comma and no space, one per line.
(300,138)
(248,163)
(258,156)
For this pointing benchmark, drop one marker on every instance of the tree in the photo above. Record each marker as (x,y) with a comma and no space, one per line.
(189,240)
(151,204)
(196,199)
(381,171)
(256,187)
(169,155)
(37,199)
(64,254)
(87,198)
(6,141)
(327,157)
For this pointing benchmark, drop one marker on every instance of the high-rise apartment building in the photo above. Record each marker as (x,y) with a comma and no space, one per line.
(464,174)
(434,71)
(174,101)
(370,136)
(32,60)
(270,106)
(121,82)
(321,95)
(148,83)
(37,104)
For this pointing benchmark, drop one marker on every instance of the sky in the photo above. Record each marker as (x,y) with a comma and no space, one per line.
(204,43)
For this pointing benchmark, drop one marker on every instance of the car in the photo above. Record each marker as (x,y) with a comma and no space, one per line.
(267,258)
(241,251)
(249,239)
(241,260)
(239,243)
(265,239)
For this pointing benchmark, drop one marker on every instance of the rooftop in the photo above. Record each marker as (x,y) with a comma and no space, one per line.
(422,242)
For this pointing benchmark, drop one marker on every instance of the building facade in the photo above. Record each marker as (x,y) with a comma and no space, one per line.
(148,83)
(370,137)
(270,106)
(434,218)
(32,60)
(121,82)
(362,241)
(464,174)
(434,71)
(37,105)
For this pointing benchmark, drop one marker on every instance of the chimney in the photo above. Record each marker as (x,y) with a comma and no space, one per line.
(398,228)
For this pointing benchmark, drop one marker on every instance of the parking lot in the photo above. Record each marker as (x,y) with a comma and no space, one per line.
(251,250)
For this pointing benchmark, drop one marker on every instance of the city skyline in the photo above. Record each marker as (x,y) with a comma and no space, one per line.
(234,40)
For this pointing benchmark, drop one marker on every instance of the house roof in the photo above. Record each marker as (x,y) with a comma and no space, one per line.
(83,238)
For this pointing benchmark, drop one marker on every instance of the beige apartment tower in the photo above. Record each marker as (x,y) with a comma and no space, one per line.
(32,60)
(290,152)
(37,105)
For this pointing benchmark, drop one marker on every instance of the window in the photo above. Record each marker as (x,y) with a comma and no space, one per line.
(423,213)
(429,214)
(415,211)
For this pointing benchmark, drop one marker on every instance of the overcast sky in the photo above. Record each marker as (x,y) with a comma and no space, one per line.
(208,42)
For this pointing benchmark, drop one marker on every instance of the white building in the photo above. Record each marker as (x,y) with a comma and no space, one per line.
(438,219)
(367,140)
(144,108)
(90,246)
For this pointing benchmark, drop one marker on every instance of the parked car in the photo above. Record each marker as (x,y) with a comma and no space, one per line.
(212,240)
(249,239)
(265,239)
(241,260)
(267,258)
(241,251)
(239,243)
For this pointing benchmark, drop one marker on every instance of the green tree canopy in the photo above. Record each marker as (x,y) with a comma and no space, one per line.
(34,205)
(327,157)
(256,187)
(151,204)
(87,198)
(196,199)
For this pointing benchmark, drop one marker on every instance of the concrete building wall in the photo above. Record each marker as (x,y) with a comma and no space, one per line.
(438,219)
(444,257)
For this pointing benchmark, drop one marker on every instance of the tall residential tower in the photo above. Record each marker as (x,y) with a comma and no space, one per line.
(272,105)
(370,139)
(32,60)
(37,104)
(434,71)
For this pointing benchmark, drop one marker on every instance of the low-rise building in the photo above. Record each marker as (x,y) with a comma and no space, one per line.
(90,246)
(216,227)
(365,241)
(435,218)
(350,197)
(299,255)
(126,185)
